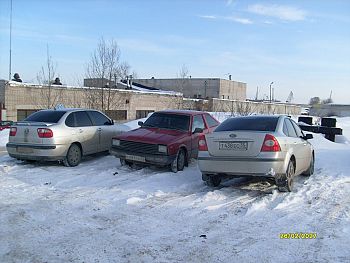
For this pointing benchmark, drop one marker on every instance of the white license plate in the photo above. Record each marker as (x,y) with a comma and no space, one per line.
(24,150)
(135,158)
(233,146)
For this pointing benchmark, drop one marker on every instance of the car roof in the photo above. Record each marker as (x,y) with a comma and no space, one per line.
(183,112)
(69,109)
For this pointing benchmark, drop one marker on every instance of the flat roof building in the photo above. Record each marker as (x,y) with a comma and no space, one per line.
(200,88)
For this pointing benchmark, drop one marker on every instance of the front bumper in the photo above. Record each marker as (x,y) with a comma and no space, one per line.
(263,166)
(37,152)
(156,159)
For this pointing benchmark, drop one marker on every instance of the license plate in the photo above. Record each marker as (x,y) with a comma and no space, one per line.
(233,146)
(135,158)
(24,150)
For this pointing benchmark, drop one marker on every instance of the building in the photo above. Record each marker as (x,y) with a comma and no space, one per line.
(22,99)
(199,88)
(126,102)
(98,82)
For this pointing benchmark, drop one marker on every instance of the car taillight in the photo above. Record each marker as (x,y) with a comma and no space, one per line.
(202,143)
(13,131)
(45,133)
(270,144)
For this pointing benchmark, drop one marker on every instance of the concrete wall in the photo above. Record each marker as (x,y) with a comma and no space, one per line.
(326,110)
(199,87)
(21,96)
(35,97)
(232,90)
(248,107)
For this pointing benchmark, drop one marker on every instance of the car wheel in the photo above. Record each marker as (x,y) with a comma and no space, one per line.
(311,168)
(213,180)
(285,181)
(73,157)
(179,163)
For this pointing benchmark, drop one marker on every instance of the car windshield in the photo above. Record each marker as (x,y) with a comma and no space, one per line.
(168,121)
(248,124)
(46,116)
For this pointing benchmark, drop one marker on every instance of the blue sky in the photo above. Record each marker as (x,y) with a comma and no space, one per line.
(302,46)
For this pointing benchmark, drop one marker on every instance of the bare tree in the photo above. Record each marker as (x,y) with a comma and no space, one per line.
(182,78)
(45,77)
(105,65)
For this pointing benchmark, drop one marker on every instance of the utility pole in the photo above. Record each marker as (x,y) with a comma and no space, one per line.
(270,92)
(10,61)
(257,93)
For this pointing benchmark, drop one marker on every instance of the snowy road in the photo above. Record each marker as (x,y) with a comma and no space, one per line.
(102,212)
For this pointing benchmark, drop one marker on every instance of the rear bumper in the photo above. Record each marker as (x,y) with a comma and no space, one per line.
(36,152)
(156,159)
(264,166)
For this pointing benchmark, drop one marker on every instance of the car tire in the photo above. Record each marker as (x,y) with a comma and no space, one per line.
(213,180)
(311,168)
(73,157)
(179,163)
(285,181)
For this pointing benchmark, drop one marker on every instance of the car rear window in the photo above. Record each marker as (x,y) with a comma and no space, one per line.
(168,121)
(46,116)
(248,124)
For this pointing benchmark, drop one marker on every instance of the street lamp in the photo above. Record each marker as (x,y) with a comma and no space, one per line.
(270,91)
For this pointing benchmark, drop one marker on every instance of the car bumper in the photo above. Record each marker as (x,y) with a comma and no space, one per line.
(264,166)
(36,152)
(156,159)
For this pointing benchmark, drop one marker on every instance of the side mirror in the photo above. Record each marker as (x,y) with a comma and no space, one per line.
(308,136)
(140,123)
(197,130)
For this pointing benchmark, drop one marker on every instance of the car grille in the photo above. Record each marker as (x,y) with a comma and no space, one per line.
(139,147)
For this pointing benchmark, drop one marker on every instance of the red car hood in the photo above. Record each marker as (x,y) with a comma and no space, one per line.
(153,135)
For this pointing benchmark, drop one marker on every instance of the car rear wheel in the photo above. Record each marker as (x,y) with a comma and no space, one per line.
(311,168)
(179,163)
(285,181)
(73,157)
(213,180)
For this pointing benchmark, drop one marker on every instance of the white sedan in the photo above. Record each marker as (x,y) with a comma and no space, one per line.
(266,146)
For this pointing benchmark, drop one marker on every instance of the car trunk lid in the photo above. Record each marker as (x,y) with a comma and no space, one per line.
(27,132)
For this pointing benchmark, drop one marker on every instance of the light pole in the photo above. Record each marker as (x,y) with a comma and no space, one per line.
(270,91)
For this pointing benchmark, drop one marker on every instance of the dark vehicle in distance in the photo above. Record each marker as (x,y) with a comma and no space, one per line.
(5,125)
(166,138)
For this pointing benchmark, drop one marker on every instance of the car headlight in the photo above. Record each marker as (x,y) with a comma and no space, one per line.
(162,148)
(115,142)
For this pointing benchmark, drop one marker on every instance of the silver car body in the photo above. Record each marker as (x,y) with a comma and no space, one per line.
(254,162)
(27,145)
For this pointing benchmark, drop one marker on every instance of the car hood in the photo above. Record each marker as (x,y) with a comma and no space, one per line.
(153,135)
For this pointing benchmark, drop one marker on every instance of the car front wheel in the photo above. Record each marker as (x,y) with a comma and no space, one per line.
(179,163)
(311,168)
(213,180)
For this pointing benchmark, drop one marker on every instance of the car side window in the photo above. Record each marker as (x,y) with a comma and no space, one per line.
(210,121)
(198,122)
(297,129)
(82,119)
(99,119)
(290,128)
(70,121)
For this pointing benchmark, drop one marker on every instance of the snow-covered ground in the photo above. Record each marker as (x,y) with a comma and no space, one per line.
(102,212)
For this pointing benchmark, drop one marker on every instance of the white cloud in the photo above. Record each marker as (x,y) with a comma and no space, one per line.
(208,17)
(240,20)
(288,13)
(244,21)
